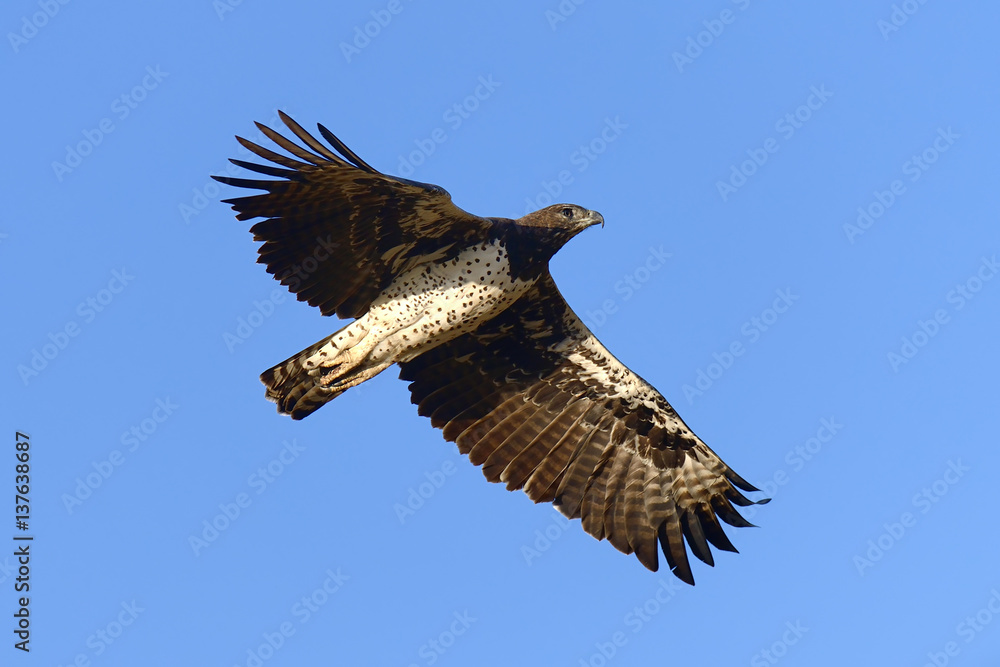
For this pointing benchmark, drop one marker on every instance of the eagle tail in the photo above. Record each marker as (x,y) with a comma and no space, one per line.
(307,381)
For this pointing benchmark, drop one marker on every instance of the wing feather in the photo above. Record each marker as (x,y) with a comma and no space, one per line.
(595,488)
(516,442)
(335,231)
(640,531)
(582,466)
(541,486)
(268,154)
(614,501)
(525,463)
(534,398)
(494,439)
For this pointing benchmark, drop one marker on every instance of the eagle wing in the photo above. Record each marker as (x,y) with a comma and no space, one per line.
(535,399)
(336,230)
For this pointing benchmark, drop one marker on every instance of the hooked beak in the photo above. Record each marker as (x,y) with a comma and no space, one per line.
(595,218)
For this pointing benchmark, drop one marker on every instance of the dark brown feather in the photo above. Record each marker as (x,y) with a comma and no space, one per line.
(641,534)
(358,228)
(536,400)
(524,464)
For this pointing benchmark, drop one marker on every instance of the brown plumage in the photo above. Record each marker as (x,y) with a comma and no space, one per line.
(534,398)
(495,357)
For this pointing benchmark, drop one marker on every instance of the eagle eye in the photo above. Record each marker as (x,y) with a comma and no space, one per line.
(567,212)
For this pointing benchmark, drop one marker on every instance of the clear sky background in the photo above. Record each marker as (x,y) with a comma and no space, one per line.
(812,186)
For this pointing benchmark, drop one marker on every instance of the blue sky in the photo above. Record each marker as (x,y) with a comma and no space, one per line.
(800,252)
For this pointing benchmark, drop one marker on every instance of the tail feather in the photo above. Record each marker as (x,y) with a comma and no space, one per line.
(296,384)
(302,384)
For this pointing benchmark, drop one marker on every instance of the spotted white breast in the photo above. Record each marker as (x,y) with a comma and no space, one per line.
(438,301)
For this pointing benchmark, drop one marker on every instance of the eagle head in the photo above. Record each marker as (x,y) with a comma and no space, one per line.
(563,217)
(538,236)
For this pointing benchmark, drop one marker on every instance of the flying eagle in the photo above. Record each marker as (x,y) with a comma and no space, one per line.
(495,357)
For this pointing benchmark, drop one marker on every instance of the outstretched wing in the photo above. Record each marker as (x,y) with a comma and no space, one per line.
(534,398)
(336,230)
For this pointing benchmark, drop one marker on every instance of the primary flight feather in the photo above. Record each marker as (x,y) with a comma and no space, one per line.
(466,307)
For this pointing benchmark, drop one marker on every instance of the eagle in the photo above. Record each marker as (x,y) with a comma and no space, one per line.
(494,356)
